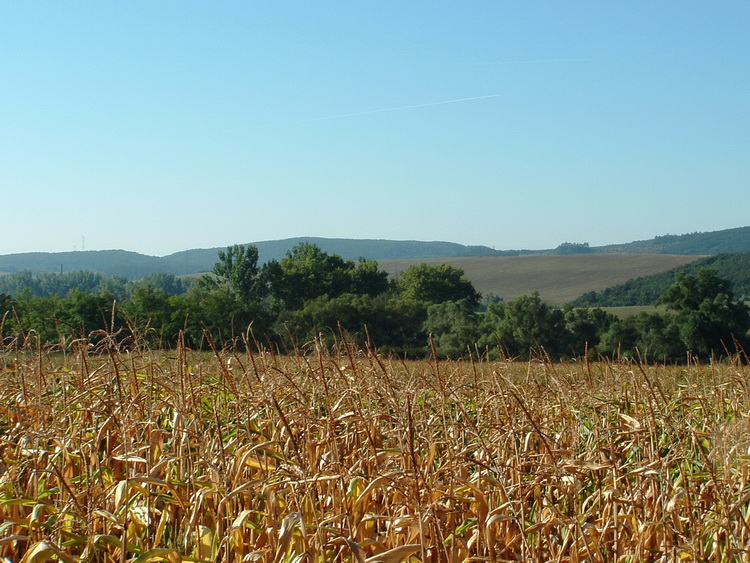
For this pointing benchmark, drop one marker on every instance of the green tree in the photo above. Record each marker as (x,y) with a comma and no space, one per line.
(706,315)
(526,325)
(169,283)
(437,284)
(400,330)
(36,315)
(645,336)
(152,311)
(307,272)
(392,326)
(323,316)
(6,315)
(586,327)
(18,283)
(454,327)
(368,279)
(81,314)
(237,270)
(621,340)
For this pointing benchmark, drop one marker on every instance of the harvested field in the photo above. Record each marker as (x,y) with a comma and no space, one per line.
(143,456)
(558,279)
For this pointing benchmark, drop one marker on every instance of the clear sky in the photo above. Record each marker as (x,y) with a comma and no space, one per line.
(157,126)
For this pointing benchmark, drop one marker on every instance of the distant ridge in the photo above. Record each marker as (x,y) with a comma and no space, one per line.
(109,263)
(733,267)
(715,242)
(349,249)
(133,265)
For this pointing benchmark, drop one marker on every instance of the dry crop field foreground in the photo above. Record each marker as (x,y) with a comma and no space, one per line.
(237,456)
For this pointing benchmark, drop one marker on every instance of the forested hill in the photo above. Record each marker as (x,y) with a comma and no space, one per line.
(699,244)
(202,260)
(733,267)
(109,263)
(133,265)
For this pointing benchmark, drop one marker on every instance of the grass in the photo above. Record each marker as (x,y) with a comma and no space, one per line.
(559,279)
(112,455)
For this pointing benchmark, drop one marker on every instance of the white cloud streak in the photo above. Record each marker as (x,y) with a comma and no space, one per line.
(536,61)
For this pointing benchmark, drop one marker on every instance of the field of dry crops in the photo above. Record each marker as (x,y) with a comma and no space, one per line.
(144,456)
(558,279)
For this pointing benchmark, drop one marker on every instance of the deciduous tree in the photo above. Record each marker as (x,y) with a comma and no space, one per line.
(437,284)
(708,318)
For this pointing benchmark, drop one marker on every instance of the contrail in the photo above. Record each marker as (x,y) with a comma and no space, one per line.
(536,61)
(397,108)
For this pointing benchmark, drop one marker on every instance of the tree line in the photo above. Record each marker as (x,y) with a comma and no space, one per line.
(313,296)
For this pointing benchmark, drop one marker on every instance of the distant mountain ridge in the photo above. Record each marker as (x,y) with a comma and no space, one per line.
(133,265)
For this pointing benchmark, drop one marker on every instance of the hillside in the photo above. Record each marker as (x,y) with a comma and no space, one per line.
(106,262)
(646,289)
(202,260)
(558,279)
(133,265)
(716,242)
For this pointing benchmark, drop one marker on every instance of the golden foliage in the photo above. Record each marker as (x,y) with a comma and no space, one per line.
(240,456)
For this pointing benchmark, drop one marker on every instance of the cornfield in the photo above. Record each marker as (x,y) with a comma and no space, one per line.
(136,455)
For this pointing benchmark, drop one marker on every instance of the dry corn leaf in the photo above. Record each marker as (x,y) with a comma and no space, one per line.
(633,423)
(358,552)
(584,465)
(480,498)
(377,481)
(499,517)
(108,516)
(44,551)
(159,483)
(121,493)
(290,522)
(205,542)
(395,555)
(680,498)
(159,554)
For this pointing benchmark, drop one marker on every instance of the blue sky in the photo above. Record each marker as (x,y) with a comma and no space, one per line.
(157,126)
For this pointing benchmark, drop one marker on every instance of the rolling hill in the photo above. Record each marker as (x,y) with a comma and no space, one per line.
(134,265)
(716,242)
(644,290)
(558,279)
(559,275)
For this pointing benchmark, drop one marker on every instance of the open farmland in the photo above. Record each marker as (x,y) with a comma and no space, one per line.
(558,279)
(140,456)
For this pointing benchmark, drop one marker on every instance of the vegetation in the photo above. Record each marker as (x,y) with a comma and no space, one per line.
(113,455)
(735,268)
(573,248)
(430,309)
(200,260)
(60,285)
(192,261)
(716,242)
(257,416)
